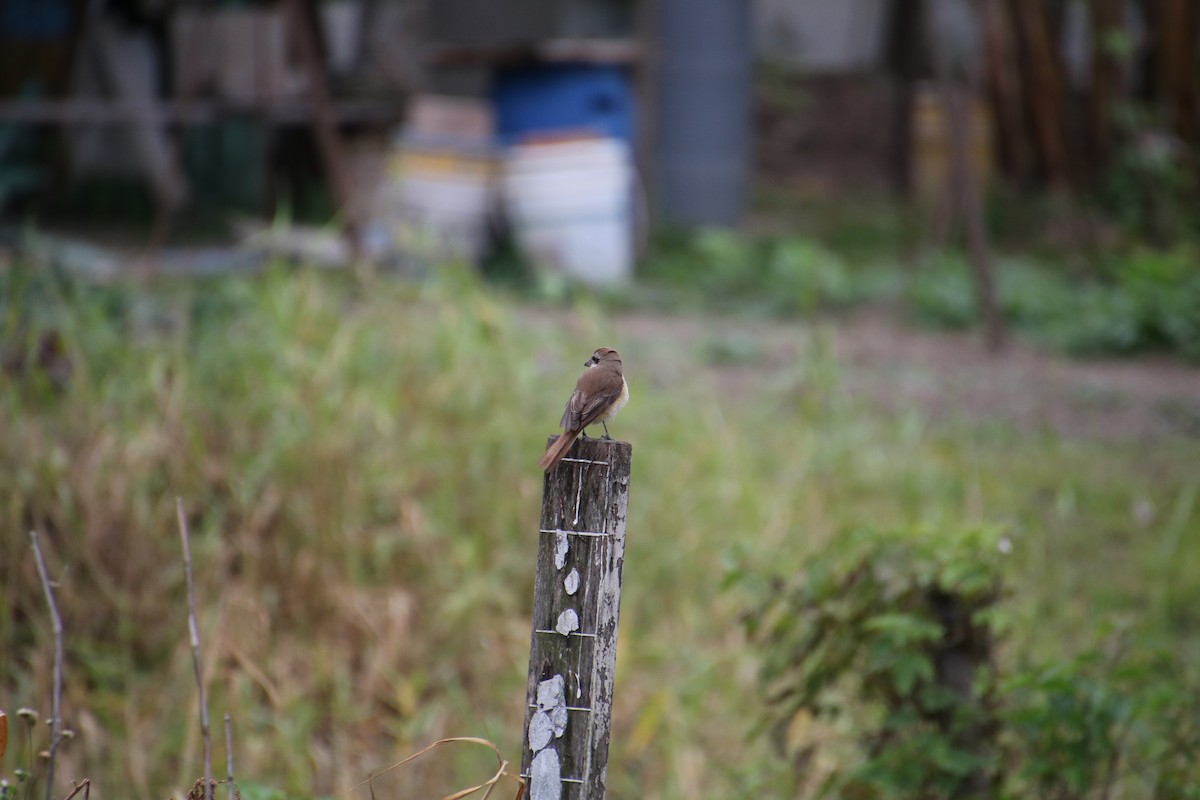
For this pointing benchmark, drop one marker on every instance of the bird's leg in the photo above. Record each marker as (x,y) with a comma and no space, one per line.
(606,436)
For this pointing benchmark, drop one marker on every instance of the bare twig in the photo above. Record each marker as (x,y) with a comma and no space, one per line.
(85,786)
(229,752)
(56,695)
(197,663)
(488,785)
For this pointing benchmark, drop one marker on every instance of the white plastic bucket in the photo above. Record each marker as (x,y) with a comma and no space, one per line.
(569,203)
(439,201)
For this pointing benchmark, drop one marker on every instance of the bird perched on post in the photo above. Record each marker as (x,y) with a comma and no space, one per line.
(600,393)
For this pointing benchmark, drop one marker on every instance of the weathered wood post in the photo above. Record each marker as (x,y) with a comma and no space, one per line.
(576,603)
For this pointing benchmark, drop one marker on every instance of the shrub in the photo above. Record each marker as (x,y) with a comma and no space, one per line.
(784,276)
(1095,723)
(1151,301)
(941,294)
(887,637)
(883,656)
(1164,289)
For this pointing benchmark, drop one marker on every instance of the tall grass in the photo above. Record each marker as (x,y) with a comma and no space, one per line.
(357,461)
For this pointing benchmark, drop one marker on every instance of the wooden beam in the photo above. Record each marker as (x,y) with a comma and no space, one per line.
(571,51)
(98,111)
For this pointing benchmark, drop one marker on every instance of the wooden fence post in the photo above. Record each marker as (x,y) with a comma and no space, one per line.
(576,603)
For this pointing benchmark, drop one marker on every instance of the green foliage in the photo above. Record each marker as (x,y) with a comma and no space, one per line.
(941,293)
(887,640)
(1151,302)
(1150,186)
(28,738)
(357,459)
(875,635)
(304,438)
(1147,300)
(1164,289)
(778,276)
(256,791)
(1095,723)
(1095,321)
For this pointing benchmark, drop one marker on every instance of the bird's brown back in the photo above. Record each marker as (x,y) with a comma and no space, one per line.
(596,390)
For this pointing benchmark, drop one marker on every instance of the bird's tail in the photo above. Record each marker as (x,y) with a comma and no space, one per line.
(557,449)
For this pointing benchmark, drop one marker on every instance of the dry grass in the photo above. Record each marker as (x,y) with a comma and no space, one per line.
(357,461)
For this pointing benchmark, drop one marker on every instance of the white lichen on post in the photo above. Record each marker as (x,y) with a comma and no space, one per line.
(552,701)
(568,622)
(549,722)
(545,776)
(571,583)
(561,548)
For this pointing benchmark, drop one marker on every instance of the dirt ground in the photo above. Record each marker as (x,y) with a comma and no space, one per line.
(892,365)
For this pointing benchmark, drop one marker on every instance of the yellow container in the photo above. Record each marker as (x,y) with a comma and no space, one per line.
(931,144)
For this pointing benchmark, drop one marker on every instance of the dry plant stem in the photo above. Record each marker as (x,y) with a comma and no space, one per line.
(85,786)
(197,663)
(229,752)
(501,771)
(56,692)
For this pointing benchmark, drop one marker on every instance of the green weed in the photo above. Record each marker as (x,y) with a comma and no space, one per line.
(357,461)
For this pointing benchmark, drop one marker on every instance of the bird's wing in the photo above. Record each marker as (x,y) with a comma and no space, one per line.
(585,407)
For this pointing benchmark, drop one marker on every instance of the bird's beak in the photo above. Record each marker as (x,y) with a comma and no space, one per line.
(587,363)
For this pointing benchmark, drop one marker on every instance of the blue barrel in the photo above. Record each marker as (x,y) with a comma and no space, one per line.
(36,20)
(543,98)
(702,133)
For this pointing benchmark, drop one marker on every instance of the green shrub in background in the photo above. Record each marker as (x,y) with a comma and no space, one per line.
(1151,302)
(1102,725)
(1163,287)
(941,294)
(883,678)
(886,645)
(1150,187)
(775,276)
(1142,300)
(1096,321)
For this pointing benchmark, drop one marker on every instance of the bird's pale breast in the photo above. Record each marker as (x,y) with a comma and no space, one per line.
(619,403)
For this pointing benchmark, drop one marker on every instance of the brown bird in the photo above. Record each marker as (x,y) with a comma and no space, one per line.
(600,393)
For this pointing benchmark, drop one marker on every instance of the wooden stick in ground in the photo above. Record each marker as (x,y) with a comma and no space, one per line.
(968,191)
(577,596)
(56,691)
(964,190)
(85,786)
(229,753)
(194,633)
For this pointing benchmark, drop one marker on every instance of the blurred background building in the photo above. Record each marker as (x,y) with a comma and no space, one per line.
(577,121)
